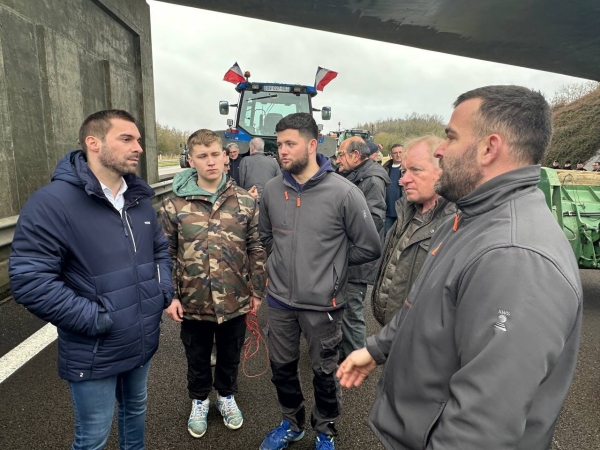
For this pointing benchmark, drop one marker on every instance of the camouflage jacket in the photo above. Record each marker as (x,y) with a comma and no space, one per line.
(218,258)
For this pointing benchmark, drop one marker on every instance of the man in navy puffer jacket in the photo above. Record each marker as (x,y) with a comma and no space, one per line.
(89,257)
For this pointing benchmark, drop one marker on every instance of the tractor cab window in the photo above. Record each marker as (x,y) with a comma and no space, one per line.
(260,111)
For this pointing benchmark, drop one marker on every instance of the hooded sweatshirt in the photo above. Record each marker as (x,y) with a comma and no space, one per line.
(482,354)
(312,232)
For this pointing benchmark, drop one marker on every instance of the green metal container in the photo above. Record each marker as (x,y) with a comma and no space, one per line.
(575,203)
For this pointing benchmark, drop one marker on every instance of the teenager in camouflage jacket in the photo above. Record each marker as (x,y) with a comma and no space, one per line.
(219,274)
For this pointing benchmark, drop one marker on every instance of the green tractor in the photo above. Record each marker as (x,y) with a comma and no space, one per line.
(574,199)
(364,134)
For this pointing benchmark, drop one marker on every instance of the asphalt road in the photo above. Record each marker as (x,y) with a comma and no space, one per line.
(35,411)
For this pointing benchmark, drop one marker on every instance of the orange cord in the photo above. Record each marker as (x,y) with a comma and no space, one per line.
(253,343)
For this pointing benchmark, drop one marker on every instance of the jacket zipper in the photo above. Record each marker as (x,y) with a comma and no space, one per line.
(293,271)
(127,226)
(137,283)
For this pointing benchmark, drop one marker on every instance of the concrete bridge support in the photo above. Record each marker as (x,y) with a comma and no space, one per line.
(61,60)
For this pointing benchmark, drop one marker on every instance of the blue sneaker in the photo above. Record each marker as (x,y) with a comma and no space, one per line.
(232,416)
(324,442)
(279,437)
(197,422)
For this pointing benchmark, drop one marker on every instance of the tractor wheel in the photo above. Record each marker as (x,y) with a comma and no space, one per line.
(183,162)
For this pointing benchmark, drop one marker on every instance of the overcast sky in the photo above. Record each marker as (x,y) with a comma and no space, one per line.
(193,48)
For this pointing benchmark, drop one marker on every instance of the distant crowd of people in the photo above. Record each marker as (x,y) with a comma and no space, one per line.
(449,233)
(567,166)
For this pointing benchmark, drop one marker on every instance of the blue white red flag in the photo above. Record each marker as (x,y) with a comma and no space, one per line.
(323,77)
(234,75)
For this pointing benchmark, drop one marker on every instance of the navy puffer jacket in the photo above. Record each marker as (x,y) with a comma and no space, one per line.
(102,279)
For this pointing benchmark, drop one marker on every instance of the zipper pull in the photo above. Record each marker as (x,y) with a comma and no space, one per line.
(298,201)
(287,196)
(124,227)
(455,226)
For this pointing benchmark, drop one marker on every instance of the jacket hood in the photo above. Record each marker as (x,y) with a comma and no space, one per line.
(73,169)
(369,168)
(324,167)
(500,189)
(185,184)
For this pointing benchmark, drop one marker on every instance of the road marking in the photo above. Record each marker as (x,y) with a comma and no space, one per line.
(26,350)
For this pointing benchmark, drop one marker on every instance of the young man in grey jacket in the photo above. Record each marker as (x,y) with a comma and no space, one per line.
(483,352)
(313,224)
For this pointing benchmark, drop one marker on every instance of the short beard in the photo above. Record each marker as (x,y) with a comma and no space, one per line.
(459,180)
(298,166)
(107,158)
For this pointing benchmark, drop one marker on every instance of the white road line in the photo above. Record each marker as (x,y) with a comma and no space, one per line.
(26,350)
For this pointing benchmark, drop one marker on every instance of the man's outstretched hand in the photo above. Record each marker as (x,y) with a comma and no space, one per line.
(355,368)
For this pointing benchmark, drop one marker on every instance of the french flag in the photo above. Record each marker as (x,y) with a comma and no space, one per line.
(323,77)
(234,75)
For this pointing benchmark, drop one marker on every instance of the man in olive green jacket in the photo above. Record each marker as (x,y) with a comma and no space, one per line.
(420,212)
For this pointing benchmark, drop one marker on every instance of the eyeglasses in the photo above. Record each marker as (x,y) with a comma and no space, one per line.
(396,153)
(340,154)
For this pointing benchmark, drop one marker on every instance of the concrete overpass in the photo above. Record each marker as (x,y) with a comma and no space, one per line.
(61,60)
(552,35)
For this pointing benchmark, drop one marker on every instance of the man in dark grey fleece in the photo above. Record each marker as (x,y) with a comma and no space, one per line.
(257,168)
(357,166)
(483,352)
(313,223)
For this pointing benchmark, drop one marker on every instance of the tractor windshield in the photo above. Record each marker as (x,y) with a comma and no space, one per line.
(260,111)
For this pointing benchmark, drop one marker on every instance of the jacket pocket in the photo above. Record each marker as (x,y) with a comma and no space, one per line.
(329,352)
(433,424)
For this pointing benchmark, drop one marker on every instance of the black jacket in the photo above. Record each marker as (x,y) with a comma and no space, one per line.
(372,179)
(234,168)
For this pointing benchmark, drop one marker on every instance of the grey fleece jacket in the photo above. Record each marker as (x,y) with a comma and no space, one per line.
(256,170)
(311,234)
(483,352)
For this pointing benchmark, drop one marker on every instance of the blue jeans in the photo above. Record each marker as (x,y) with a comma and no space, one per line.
(94,405)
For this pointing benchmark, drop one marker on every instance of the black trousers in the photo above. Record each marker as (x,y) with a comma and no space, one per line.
(197,337)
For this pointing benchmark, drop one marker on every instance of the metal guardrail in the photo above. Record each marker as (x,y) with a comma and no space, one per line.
(8,224)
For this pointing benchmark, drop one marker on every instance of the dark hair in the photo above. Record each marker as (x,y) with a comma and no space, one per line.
(303,122)
(568,161)
(396,145)
(98,124)
(520,114)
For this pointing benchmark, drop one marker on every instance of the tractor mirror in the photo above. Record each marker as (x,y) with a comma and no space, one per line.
(326,113)
(224,108)
(229,123)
